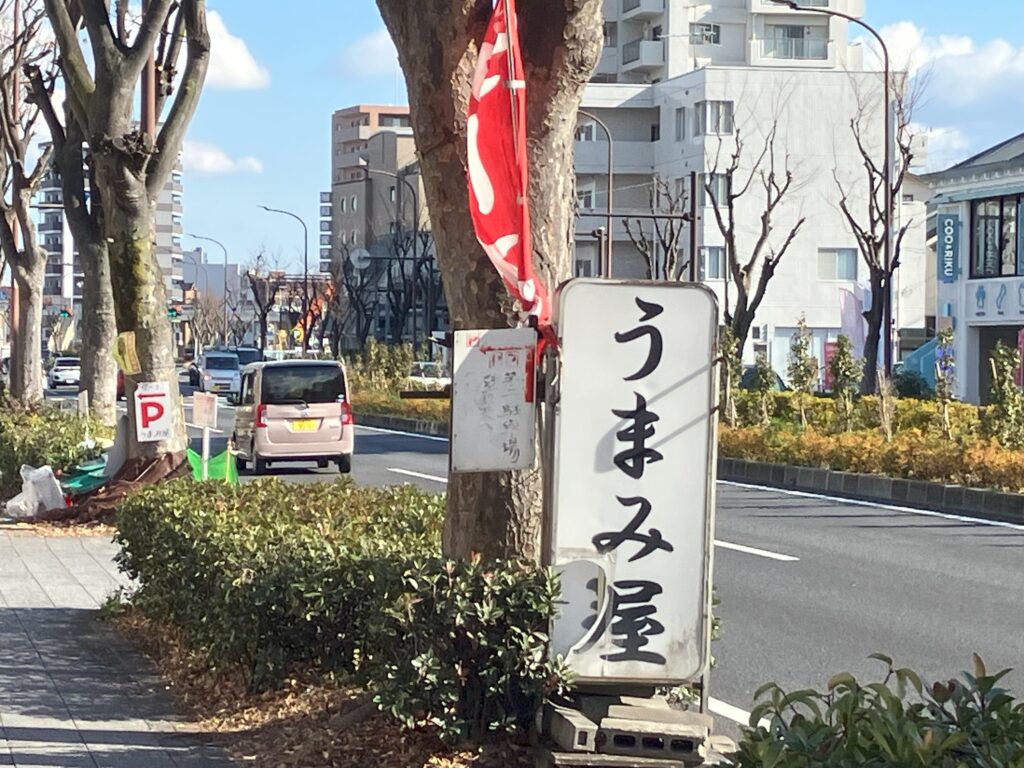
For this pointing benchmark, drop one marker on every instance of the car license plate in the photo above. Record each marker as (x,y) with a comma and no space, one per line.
(304,425)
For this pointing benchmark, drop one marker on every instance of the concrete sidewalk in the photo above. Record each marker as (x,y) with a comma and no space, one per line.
(73,693)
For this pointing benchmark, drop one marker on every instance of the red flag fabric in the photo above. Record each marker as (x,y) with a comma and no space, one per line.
(498,170)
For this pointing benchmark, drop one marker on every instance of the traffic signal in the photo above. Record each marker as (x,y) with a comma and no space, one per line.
(174,312)
(65,313)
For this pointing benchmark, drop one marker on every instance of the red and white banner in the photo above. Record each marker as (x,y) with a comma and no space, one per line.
(497,166)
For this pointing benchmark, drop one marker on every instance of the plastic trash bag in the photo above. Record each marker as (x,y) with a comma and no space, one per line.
(40,492)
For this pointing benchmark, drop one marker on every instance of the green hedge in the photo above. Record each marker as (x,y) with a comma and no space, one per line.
(894,723)
(39,436)
(275,577)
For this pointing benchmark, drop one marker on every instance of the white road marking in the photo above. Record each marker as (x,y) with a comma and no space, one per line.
(737,715)
(420,475)
(877,505)
(756,551)
(403,434)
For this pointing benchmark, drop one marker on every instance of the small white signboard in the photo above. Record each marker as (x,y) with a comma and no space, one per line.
(204,410)
(633,484)
(493,409)
(154,415)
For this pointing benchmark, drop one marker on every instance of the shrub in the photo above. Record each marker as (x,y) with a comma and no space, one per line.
(387,404)
(38,436)
(732,372)
(803,367)
(1005,418)
(380,367)
(897,722)
(911,384)
(761,384)
(273,578)
(845,370)
(945,378)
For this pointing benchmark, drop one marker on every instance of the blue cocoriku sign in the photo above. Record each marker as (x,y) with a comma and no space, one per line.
(948,247)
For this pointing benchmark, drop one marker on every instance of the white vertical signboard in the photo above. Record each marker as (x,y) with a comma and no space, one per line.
(493,404)
(632,498)
(154,419)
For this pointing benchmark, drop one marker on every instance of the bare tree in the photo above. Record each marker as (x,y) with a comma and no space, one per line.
(752,269)
(207,320)
(361,288)
(658,241)
(238,325)
(494,514)
(265,283)
(869,222)
(132,165)
(22,45)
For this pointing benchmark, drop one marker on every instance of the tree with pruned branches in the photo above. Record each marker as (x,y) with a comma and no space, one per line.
(659,240)
(132,163)
(22,45)
(750,266)
(868,219)
(265,285)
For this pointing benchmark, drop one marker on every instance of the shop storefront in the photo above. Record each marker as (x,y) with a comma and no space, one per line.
(979,206)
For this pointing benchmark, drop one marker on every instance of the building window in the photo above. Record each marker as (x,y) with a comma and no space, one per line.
(714,117)
(908,198)
(719,183)
(355,237)
(656,132)
(586,132)
(837,264)
(353,203)
(712,262)
(585,199)
(705,34)
(344,237)
(997,241)
(611,34)
(680,123)
(795,41)
(343,204)
(325,226)
(325,239)
(392,194)
(394,121)
(584,268)
(325,211)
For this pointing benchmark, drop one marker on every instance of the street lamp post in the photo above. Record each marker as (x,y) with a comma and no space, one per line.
(886,171)
(305,271)
(223,248)
(606,263)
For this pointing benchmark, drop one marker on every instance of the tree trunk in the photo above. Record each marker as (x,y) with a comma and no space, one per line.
(139,296)
(26,377)
(495,514)
(99,329)
(874,316)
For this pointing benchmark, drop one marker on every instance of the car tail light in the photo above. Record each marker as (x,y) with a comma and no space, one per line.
(261,409)
(346,413)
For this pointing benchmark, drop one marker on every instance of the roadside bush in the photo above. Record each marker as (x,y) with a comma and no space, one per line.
(388,404)
(274,578)
(380,367)
(897,722)
(911,384)
(38,436)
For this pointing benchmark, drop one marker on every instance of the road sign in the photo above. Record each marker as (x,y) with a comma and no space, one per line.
(204,410)
(631,508)
(493,408)
(154,415)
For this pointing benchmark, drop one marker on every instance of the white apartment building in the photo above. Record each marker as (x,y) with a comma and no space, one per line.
(679,81)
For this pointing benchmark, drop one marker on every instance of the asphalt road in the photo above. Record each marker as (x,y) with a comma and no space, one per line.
(809,586)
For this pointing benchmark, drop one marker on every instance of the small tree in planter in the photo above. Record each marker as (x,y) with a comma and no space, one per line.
(1004,419)
(803,367)
(945,378)
(762,385)
(845,370)
(732,373)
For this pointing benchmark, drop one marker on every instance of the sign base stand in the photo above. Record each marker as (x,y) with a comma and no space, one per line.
(627,731)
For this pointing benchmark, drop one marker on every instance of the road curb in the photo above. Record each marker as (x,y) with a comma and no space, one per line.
(401,424)
(915,494)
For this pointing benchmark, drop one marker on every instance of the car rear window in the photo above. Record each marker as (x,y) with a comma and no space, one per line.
(67,362)
(221,362)
(284,384)
(246,356)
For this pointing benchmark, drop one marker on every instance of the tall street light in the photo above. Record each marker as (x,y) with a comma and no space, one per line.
(225,299)
(886,171)
(606,265)
(305,271)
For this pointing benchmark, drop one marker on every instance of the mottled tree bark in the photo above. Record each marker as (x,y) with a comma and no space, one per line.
(27,375)
(496,514)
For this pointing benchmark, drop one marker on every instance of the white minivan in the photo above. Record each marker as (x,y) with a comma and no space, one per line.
(294,410)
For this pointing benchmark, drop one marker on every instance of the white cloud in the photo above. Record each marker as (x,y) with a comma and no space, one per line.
(371,56)
(207,158)
(232,66)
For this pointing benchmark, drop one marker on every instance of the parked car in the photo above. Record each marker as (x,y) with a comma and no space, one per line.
(219,372)
(66,372)
(294,410)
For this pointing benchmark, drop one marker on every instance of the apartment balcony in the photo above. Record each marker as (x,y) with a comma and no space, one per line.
(51,226)
(767,6)
(640,55)
(630,157)
(351,160)
(635,10)
(797,50)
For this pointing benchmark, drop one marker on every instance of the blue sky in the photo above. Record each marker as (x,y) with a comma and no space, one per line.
(262,133)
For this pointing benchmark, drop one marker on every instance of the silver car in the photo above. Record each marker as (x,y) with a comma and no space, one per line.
(220,373)
(66,372)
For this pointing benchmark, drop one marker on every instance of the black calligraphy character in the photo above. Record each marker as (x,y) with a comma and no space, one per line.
(650,311)
(652,540)
(633,460)
(630,623)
